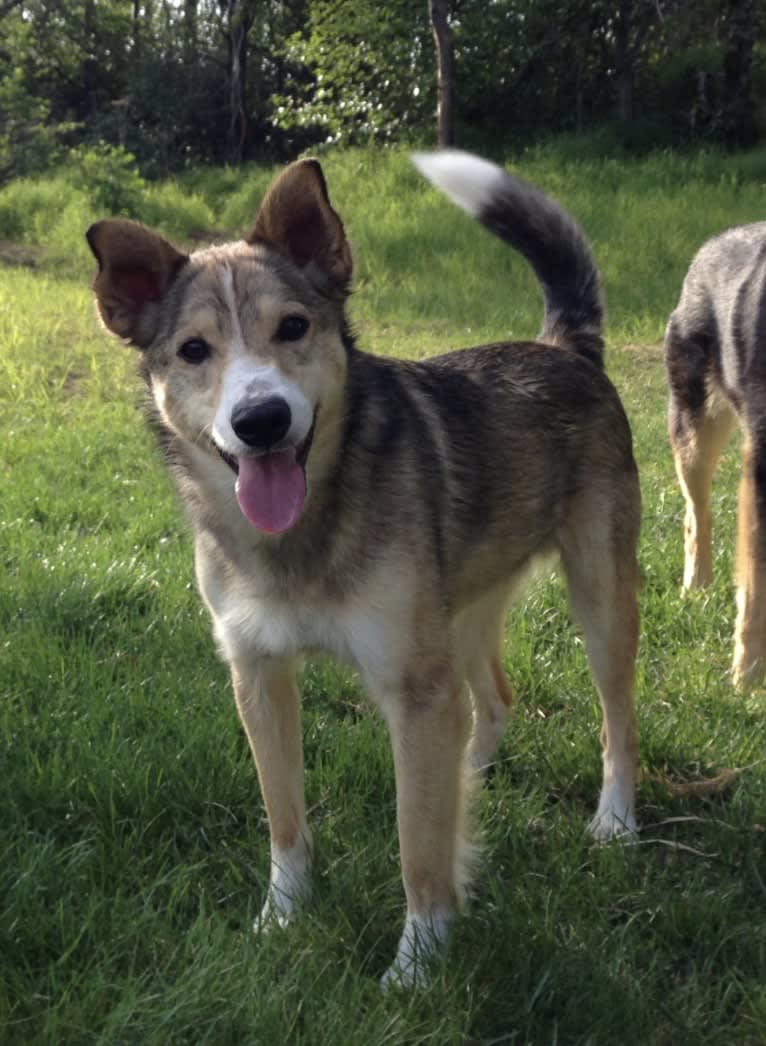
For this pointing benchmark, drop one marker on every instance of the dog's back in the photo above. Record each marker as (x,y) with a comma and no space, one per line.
(484,451)
(715,336)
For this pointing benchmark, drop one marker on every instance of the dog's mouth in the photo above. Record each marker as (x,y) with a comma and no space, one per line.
(271,487)
(230,460)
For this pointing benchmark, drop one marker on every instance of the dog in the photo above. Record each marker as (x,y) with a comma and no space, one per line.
(716,371)
(386,511)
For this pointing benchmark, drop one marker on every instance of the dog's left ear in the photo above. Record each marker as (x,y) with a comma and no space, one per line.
(297,220)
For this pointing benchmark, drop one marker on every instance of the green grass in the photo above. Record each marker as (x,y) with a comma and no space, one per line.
(134,845)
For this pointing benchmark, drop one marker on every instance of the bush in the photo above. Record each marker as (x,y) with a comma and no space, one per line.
(30,141)
(31,208)
(240,208)
(109,177)
(180,214)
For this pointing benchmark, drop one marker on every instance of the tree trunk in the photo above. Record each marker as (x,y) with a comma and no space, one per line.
(239,16)
(624,62)
(445,72)
(136,31)
(738,110)
(190,41)
(89,66)
(579,100)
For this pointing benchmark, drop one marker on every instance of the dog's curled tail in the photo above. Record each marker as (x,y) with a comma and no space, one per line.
(541,231)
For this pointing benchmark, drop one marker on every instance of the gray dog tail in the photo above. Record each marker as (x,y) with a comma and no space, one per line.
(542,232)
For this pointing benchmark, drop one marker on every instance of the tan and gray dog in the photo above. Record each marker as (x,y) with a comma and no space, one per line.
(714,352)
(386,511)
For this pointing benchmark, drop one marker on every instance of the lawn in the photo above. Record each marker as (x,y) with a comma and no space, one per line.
(134,844)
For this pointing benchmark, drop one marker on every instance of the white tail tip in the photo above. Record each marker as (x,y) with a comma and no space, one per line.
(468,180)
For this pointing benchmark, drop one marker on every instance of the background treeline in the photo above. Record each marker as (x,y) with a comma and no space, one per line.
(178,82)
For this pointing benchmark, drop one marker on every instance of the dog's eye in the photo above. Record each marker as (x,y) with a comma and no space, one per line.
(292,328)
(195,350)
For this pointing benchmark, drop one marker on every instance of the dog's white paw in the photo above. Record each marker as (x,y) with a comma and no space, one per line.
(603,828)
(614,823)
(615,817)
(747,673)
(289,886)
(480,760)
(274,914)
(486,737)
(482,748)
(423,941)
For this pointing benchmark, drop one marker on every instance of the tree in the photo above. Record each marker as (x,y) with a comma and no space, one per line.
(182,81)
(737,108)
(362,71)
(238,17)
(445,75)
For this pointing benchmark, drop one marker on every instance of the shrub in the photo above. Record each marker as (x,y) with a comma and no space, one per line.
(109,176)
(30,208)
(180,214)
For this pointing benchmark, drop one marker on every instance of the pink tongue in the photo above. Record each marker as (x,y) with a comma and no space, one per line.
(271,490)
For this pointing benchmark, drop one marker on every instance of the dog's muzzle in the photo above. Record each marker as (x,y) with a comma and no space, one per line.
(271,485)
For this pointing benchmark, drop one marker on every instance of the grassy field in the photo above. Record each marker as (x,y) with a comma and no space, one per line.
(134,845)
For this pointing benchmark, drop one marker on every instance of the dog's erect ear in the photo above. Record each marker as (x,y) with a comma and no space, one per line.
(135,269)
(297,220)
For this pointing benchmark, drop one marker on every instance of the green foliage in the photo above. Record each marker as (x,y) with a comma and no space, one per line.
(53,213)
(370,72)
(179,213)
(239,205)
(175,85)
(108,174)
(30,207)
(29,140)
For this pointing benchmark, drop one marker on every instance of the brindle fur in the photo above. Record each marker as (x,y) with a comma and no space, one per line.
(717,374)
(433,488)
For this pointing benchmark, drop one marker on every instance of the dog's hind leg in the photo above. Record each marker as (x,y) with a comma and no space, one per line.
(697,439)
(699,423)
(268,704)
(479,633)
(429,724)
(750,632)
(598,556)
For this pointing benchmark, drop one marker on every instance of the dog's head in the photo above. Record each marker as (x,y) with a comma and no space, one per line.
(244,344)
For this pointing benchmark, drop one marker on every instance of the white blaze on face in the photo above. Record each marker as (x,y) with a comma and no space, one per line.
(271,485)
(246,381)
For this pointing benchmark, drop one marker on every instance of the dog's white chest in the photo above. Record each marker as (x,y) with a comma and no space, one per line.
(277,628)
(368,631)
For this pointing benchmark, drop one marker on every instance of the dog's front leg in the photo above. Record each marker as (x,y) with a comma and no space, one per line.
(269,707)
(429,724)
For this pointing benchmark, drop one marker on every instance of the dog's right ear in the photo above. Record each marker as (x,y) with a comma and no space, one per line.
(135,270)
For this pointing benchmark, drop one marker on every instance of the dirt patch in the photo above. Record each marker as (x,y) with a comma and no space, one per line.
(73,383)
(19,255)
(649,351)
(206,236)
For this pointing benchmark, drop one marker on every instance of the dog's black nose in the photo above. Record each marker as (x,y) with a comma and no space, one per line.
(262,424)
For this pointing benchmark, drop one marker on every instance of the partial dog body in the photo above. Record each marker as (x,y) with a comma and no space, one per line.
(716,363)
(386,511)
